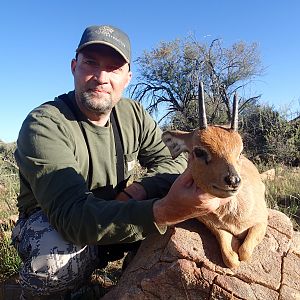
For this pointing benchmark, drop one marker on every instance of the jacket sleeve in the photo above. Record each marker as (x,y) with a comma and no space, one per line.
(162,169)
(45,155)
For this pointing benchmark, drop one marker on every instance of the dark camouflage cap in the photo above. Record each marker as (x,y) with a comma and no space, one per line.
(106,35)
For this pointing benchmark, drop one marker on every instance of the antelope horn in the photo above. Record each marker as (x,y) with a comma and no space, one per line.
(234,120)
(202,114)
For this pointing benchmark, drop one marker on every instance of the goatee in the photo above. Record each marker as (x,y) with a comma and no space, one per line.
(100,104)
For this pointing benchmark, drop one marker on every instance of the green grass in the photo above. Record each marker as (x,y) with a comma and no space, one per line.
(10,262)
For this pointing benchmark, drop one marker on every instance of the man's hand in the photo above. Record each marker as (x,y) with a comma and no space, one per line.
(184,201)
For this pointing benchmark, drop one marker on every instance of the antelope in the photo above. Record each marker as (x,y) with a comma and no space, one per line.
(220,169)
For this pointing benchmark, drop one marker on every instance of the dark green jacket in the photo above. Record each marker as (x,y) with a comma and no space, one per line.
(54,165)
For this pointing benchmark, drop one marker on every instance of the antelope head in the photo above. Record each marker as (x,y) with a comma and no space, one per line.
(214,153)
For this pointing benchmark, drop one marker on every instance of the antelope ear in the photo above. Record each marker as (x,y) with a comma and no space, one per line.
(177,141)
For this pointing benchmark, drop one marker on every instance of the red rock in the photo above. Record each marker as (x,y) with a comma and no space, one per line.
(186,263)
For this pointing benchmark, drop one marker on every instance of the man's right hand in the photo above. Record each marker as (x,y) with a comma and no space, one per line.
(184,201)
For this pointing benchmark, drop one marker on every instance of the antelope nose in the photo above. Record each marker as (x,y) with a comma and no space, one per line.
(233,180)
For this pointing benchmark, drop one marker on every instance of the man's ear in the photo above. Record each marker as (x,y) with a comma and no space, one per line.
(177,141)
(128,79)
(73,65)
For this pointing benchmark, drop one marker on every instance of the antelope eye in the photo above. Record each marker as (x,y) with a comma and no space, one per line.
(201,154)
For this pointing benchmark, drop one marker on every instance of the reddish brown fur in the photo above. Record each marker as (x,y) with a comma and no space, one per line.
(225,146)
(221,141)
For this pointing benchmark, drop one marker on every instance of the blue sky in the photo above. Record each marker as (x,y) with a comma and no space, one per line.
(39,38)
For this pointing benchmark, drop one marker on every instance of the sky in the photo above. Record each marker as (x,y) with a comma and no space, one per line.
(39,38)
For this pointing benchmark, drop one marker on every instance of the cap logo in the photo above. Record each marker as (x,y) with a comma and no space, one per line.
(108,32)
(105,30)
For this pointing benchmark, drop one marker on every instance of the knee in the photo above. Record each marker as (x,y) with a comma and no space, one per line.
(56,272)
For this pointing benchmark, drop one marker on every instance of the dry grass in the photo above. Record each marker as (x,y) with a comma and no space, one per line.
(9,187)
(283,193)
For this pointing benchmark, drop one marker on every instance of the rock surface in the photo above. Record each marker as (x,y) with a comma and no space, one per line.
(186,263)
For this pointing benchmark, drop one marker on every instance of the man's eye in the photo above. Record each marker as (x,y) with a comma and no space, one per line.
(91,62)
(115,69)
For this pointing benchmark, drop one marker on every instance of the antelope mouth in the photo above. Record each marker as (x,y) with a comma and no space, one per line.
(231,191)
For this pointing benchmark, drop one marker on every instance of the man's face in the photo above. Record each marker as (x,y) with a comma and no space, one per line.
(100,76)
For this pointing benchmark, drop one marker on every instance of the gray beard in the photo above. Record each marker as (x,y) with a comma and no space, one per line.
(101,107)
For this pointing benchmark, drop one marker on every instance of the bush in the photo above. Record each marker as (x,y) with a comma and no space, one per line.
(269,138)
(9,180)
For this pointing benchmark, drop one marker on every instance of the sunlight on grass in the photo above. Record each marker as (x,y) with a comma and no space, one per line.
(283,193)
(10,262)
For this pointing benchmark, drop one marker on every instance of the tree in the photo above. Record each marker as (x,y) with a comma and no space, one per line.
(169,77)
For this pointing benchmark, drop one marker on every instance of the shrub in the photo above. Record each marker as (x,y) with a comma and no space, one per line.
(9,180)
(268,137)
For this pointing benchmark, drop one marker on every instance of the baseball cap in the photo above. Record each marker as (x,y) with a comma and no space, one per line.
(106,35)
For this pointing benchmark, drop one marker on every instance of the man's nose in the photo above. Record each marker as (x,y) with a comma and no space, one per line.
(101,75)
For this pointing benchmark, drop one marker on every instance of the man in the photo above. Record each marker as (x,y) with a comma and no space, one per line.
(75,155)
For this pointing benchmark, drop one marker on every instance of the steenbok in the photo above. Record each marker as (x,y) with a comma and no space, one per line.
(220,169)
